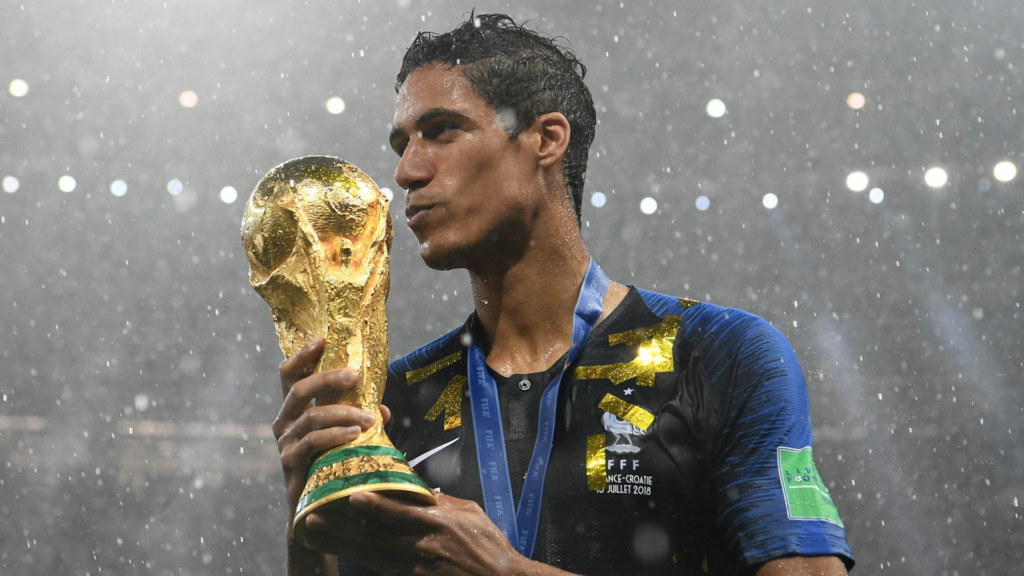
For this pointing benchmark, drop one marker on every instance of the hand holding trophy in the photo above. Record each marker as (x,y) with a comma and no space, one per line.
(317,233)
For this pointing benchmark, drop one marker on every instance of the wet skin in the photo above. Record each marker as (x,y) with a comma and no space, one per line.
(472,193)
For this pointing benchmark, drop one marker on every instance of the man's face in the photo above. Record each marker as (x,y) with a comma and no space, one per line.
(470,190)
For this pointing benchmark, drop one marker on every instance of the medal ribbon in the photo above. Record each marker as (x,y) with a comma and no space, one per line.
(521,525)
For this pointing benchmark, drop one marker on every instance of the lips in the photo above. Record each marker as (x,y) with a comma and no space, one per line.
(416,213)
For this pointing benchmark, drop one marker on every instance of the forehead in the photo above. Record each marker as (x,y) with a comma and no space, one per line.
(435,86)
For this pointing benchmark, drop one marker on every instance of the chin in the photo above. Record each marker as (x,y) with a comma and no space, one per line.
(438,258)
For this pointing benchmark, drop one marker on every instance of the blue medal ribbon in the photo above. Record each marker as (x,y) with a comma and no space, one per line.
(520,525)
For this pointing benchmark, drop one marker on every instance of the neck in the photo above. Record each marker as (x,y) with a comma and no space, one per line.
(526,308)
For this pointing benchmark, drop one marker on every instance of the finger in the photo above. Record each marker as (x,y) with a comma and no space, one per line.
(349,523)
(337,520)
(316,522)
(326,417)
(331,382)
(300,364)
(385,414)
(393,511)
(373,555)
(300,454)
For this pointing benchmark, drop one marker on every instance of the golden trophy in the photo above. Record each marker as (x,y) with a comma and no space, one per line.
(317,233)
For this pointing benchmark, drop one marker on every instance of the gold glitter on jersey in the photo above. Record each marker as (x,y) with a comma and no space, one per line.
(631,413)
(686,302)
(653,356)
(597,474)
(421,373)
(450,402)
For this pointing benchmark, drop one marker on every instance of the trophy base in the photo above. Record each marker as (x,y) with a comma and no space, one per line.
(342,472)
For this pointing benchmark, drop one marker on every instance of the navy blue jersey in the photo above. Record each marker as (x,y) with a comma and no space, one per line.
(683,443)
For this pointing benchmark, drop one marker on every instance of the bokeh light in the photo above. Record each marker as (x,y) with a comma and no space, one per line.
(984,185)
(857,181)
(770,201)
(66,183)
(228,194)
(598,199)
(175,187)
(876,195)
(716,108)
(188,99)
(388,194)
(335,105)
(936,177)
(18,87)
(648,205)
(856,100)
(118,188)
(703,203)
(1005,171)
(11,184)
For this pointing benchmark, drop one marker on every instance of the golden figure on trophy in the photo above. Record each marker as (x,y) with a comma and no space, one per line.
(317,233)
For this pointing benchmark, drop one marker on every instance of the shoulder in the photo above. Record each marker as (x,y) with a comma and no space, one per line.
(716,330)
(431,357)
(738,351)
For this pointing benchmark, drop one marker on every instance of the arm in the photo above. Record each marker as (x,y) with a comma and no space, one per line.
(772,506)
(393,536)
(388,535)
(303,432)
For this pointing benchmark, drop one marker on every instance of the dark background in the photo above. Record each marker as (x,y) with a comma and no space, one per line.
(138,368)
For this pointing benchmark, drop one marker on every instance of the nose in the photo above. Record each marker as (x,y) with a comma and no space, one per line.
(414,170)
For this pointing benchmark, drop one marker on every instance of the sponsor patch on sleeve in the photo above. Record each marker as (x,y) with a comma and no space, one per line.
(807,497)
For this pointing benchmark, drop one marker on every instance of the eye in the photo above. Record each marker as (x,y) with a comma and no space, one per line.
(443,129)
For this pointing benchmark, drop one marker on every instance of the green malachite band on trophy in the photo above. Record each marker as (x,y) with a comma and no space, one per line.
(353,452)
(363,479)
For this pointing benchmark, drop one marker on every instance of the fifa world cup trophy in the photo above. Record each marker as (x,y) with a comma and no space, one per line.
(317,233)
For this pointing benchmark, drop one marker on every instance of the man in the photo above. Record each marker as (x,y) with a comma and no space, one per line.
(638,433)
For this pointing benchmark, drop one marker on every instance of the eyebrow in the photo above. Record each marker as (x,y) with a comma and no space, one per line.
(426,117)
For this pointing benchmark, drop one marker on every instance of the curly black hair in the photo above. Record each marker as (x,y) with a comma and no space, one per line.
(522,75)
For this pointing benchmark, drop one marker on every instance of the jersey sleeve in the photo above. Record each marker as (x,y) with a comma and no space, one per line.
(395,400)
(769,499)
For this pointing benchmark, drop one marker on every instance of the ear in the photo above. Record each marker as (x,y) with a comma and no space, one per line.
(553,129)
